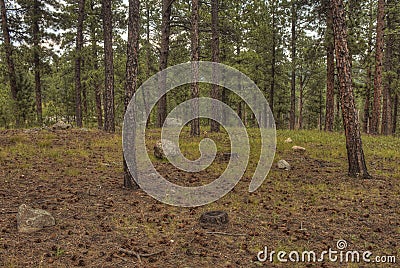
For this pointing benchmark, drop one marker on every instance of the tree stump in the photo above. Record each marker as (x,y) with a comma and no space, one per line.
(214,218)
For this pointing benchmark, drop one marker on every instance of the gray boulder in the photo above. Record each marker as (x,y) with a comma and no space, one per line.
(61,126)
(283,164)
(165,148)
(30,220)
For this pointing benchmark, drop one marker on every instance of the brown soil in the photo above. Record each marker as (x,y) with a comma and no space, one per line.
(99,223)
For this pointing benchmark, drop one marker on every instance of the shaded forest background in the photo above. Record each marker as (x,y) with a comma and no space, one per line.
(70,59)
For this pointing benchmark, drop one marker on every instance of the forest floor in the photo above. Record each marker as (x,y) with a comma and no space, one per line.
(77,176)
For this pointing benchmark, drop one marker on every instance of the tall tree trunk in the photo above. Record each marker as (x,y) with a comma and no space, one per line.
(367,104)
(330,73)
(387,89)
(96,84)
(300,119)
(376,112)
(36,60)
(10,61)
(215,90)
(320,109)
(84,94)
(78,63)
(165,33)
(132,54)
(369,82)
(292,121)
(109,124)
(273,60)
(355,154)
(395,113)
(195,123)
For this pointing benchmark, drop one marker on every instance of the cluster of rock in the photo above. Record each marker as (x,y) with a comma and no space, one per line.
(283,164)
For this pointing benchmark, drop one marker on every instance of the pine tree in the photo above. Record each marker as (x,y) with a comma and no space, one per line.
(9,58)
(380,24)
(78,63)
(131,71)
(109,123)
(355,154)
(195,123)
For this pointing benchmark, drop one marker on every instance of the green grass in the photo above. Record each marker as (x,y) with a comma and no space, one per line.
(282,196)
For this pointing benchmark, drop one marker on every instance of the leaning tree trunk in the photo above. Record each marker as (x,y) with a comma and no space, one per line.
(330,74)
(36,60)
(355,154)
(109,124)
(78,63)
(132,53)
(195,124)
(215,58)
(10,61)
(165,34)
(380,26)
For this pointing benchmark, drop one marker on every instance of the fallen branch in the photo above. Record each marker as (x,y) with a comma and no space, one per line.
(8,212)
(139,255)
(228,234)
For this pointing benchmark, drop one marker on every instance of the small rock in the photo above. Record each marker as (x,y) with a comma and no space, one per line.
(283,164)
(288,140)
(32,130)
(165,148)
(298,149)
(61,126)
(30,220)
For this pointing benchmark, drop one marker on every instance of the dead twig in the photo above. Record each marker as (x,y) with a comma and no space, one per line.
(8,212)
(228,234)
(120,257)
(139,255)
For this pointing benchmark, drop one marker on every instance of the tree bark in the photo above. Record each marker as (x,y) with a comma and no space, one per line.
(165,34)
(330,73)
(215,90)
(387,89)
(78,63)
(300,119)
(292,121)
(96,84)
(195,123)
(36,60)
(355,154)
(273,60)
(367,104)
(10,60)
(395,113)
(109,124)
(132,54)
(376,112)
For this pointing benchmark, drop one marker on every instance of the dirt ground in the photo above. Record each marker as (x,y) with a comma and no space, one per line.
(77,176)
